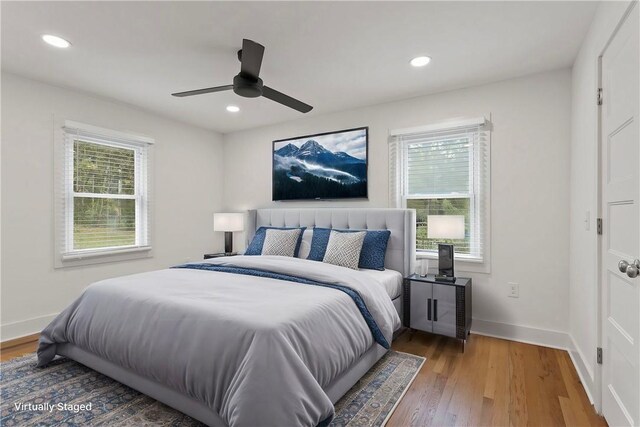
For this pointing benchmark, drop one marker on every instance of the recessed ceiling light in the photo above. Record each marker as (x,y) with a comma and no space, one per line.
(56,41)
(233,108)
(420,61)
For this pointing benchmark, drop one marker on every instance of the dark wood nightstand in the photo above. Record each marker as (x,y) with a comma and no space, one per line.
(442,308)
(219,254)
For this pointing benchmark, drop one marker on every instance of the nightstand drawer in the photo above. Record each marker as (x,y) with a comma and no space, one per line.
(421,314)
(444,310)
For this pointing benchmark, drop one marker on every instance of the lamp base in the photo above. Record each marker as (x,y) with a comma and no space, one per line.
(228,242)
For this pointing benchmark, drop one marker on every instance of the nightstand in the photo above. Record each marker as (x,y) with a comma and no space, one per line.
(220,254)
(442,308)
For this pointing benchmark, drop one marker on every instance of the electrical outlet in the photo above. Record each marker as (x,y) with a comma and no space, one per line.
(514,290)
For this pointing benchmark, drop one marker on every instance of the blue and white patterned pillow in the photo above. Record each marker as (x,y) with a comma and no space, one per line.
(255,247)
(344,249)
(374,248)
(281,242)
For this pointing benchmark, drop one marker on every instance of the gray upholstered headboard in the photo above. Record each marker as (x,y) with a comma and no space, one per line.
(401,223)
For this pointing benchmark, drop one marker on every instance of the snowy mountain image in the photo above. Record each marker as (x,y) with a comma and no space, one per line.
(324,166)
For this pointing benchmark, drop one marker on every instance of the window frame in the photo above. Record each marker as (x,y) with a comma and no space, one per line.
(478,195)
(66,254)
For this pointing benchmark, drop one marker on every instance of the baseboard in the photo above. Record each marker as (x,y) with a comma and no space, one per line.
(13,330)
(524,334)
(585,372)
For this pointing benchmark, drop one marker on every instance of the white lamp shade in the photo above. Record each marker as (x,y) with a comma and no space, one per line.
(445,226)
(228,221)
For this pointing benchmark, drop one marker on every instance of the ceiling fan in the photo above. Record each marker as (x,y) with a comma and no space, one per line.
(248,84)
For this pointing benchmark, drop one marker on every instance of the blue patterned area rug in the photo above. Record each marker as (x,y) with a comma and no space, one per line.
(53,396)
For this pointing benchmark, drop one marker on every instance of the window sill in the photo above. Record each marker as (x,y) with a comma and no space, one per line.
(102,256)
(104,252)
(466,264)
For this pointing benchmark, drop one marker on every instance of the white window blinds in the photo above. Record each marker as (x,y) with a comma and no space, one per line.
(105,190)
(444,170)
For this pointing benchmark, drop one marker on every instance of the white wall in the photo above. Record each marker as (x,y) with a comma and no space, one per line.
(186,178)
(530,189)
(583,275)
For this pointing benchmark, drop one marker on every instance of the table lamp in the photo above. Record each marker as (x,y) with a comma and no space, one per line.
(449,227)
(228,222)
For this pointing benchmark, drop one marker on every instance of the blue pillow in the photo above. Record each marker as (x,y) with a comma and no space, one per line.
(255,247)
(373,252)
(319,242)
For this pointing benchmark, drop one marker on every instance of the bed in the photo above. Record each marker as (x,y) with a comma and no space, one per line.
(239,341)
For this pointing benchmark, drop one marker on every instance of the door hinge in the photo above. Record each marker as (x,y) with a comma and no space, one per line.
(599,226)
(599,96)
(599,355)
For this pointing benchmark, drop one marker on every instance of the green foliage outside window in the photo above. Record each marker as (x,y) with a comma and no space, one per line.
(101,221)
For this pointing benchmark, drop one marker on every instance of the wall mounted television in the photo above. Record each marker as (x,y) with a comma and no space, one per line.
(324,166)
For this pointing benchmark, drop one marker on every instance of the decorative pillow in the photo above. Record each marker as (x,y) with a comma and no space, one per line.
(319,243)
(374,248)
(281,242)
(255,247)
(305,244)
(344,249)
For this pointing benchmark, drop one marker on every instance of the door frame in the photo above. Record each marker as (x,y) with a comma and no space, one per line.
(598,392)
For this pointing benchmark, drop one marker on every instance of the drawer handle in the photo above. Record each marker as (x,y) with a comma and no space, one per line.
(429,309)
(435,310)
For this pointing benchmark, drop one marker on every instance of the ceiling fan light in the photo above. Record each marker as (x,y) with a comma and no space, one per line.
(420,61)
(56,41)
(233,108)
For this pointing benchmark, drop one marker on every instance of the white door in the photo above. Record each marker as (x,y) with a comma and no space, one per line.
(620,156)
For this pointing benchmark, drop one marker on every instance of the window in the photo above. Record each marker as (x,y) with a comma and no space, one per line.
(105,210)
(443,170)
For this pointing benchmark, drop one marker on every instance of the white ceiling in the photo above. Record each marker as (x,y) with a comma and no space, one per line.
(332,55)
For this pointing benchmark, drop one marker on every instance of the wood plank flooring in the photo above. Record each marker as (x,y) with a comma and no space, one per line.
(8,353)
(493,383)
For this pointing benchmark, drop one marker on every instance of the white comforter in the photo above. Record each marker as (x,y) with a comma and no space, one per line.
(257,351)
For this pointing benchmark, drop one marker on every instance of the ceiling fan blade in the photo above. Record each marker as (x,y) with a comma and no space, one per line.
(251,61)
(201,91)
(283,99)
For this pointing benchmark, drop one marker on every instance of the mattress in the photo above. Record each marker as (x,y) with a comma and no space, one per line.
(391,280)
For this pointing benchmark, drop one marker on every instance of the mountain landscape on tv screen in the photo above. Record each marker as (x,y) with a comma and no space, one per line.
(312,171)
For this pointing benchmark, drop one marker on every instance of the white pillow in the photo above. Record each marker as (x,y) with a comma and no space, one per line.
(305,244)
(344,249)
(280,242)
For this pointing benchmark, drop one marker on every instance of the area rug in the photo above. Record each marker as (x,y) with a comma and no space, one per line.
(52,396)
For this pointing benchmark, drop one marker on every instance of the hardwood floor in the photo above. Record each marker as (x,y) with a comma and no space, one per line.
(493,383)
(18,351)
